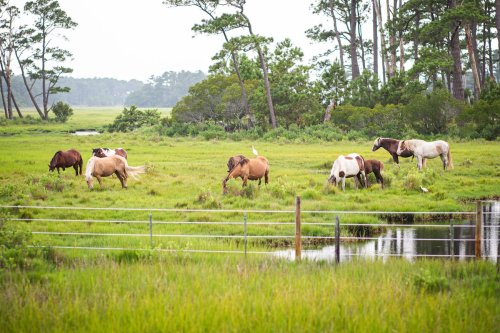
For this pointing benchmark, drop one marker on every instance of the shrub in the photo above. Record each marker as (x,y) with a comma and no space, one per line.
(428,281)
(62,111)
(133,118)
(14,250)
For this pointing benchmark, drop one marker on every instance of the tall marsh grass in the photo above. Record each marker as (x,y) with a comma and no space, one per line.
(187,293)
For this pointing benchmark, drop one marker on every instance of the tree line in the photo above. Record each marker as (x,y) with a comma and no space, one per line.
(416,49)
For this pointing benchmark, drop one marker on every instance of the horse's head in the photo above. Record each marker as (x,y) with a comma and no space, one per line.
(376,144)
(332,180)
(53,162)
(99,152)
(233,161)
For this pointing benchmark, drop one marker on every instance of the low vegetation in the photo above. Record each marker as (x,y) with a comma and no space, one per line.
(226,292)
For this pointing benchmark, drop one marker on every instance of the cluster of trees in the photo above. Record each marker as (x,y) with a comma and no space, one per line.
(28,46)
(423,46)
(164,90)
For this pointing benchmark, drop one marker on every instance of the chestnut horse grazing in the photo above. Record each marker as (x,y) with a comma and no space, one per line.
(376,167)
(106,166)
(423,149)
(106,152)
(392,146)
(66,159)
(253,169)
(348,166)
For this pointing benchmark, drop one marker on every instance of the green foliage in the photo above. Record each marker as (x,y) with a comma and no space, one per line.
(62,111)
(429,281)
(364,90)
(133,118)
(14,250)
(432,113)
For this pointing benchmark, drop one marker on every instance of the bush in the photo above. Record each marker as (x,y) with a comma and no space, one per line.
(62,111)
(133,118)
(14,250)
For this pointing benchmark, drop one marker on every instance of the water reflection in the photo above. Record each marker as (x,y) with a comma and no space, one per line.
(414,242)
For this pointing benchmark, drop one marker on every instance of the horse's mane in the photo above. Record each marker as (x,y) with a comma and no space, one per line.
(89,168)
(244,161)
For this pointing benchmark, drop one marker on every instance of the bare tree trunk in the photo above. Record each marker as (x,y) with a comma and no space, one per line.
(28,88)
(472,57)
(353,45)
(263,66)
(7,115)
(360,38)
(497,24)
(336,32)
(475,49)
(458,85)
(392,39)
(385,64)
(375,40)
(401,47)
(329,109)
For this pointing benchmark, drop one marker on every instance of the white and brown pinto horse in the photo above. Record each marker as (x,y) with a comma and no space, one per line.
(106,166)
(245,168)
(423,149)
(106,152)
(348,166)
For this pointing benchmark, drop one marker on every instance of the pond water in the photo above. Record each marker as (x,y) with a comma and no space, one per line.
(83,133)
(412,242)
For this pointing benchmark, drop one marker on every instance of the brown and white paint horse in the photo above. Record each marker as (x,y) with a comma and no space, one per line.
(348,166)
(423,149)
(106,152)
(392,146)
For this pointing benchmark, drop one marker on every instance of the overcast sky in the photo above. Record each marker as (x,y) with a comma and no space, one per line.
(130,39)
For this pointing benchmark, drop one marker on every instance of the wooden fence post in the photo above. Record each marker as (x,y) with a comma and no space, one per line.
(479,227)
(245,231)
(151,229)
(298,242)
(337,240)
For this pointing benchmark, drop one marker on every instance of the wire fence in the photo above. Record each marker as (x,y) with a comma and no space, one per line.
(477,238)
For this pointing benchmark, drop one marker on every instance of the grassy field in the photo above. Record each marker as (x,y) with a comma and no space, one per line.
(224,294)
(147,291)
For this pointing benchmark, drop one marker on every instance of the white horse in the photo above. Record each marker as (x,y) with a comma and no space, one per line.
(422,149)
(345,167)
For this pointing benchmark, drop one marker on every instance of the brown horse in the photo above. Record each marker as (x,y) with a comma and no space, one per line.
(66,159)
(253,169)
(106,152)
(106,166)
(391,145)
(376,167)
(233,161)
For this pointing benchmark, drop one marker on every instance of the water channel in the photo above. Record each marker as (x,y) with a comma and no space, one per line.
(412,242)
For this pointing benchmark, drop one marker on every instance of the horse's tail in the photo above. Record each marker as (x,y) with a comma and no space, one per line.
(134,171)
(450,161)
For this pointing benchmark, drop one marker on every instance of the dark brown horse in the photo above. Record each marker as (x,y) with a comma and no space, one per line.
(376,167)
(66,159)
(393,146)
(106,152)
(253,169)
(233,161)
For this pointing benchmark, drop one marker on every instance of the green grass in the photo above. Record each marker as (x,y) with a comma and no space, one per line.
(225,294)
(129,291)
